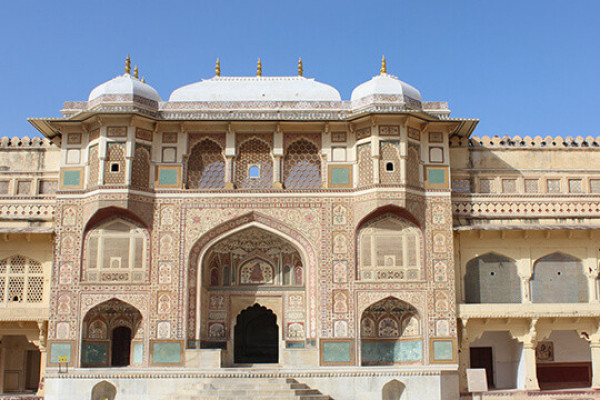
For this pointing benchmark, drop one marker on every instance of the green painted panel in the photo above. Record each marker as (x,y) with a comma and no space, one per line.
(376,352)
(94,354)
(166,353)
(340,175)
(408,351)
(167,176)
(436,176)
(71,178)
(443,350)
(138,353)
(60,349)
(337,352)
(294,345)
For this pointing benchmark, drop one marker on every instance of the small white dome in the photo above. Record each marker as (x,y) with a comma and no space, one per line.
(275,88)
(125,85)
(385,84)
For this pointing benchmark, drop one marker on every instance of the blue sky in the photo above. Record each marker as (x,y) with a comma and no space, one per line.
(522,67)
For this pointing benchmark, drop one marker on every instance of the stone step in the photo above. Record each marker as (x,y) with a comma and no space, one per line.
(250,389)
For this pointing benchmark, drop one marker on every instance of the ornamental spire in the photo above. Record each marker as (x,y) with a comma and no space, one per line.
(136,72)
(128,65)
(143,80)
(383,69)
(218,68)
(300,69)
(259,68)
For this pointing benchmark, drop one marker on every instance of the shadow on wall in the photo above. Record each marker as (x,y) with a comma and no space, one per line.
(393,390)
(104,391)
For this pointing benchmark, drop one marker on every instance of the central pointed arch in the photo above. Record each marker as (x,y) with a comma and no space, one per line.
(253,219)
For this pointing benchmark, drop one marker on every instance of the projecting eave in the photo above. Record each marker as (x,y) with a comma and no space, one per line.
(46,127)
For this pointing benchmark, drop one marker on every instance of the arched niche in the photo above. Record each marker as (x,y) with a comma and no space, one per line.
(492,278)
(252,257)
(390,333)
(206,166)
(302,166)
(559,278)
(108,332)
(393,390)
(104,391)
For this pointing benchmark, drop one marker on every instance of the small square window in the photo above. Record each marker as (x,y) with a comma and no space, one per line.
(114,167)
(254,172)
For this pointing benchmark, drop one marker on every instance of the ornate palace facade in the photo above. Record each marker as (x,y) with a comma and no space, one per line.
(261,227)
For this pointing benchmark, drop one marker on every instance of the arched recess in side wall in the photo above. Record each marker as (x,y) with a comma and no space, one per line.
(389,246)
(492,278)
(253,219)
(559,278)
(117,242)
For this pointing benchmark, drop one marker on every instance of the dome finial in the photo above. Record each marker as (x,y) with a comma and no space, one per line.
(143,80)
(383,69)
(128,65)
(218,68)
(136,72)
(259,68)
(300,69)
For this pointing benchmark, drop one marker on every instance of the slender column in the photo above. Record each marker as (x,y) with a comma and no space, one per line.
(229,172)
(277,172)
(463,357)
(42,345)
(531,382)
(525,290)
(595,352)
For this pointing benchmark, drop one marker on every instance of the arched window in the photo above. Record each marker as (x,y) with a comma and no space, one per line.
(206,166)
(492,278)
(254,165)
(389,248)
(302,166)
(21,281)
(558,278)
(116,251)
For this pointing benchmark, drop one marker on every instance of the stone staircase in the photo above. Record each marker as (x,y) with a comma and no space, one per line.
(249,389)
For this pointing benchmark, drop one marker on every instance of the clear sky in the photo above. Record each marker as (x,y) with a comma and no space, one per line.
(522,67)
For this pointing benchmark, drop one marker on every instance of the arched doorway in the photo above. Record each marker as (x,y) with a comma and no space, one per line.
(120,346)
(256,336)
(108,331)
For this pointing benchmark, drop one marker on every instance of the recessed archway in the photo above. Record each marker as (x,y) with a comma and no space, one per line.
(256,336)
(108,330)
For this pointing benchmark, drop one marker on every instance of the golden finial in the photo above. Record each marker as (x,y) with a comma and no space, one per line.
(259,68)
(143,80)
(218,68)
(128,65)
(300,69)
(136,73)
(383,66)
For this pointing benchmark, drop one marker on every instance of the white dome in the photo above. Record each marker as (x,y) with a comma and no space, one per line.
(125,85)
(283,88)
(385,84)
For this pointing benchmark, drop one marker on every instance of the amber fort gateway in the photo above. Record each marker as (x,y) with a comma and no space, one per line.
(261,238)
